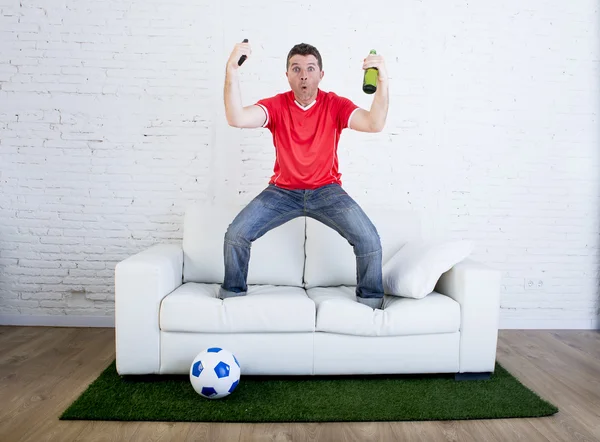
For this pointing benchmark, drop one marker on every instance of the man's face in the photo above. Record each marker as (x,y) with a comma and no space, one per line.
(304,77)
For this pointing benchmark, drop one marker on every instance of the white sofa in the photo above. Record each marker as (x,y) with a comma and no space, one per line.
(300,316)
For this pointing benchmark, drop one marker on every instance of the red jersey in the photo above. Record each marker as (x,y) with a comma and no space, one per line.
(306,139)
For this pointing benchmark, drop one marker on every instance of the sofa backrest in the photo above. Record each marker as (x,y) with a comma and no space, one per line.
(330,259)
(276,258)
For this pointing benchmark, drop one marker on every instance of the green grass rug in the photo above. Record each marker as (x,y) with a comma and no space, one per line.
(308,399)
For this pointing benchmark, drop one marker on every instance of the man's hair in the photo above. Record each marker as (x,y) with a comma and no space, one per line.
(304,49)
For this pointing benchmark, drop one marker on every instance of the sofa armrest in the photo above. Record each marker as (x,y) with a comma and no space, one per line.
(476,287)
(141,282)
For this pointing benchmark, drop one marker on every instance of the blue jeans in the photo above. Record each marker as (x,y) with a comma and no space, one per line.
(328,204)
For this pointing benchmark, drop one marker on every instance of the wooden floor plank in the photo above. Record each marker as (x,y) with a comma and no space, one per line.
(586,341)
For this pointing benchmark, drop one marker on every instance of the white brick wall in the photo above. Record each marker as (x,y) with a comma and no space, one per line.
(111,122)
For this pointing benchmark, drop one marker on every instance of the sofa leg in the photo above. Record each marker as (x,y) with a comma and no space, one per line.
(483,376)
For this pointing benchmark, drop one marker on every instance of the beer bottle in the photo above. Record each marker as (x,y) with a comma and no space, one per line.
(370,79)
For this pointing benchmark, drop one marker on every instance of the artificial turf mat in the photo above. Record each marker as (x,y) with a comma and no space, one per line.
(308,399)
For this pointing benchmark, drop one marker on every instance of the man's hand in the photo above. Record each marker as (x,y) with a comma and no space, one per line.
(238,50)
(376,61)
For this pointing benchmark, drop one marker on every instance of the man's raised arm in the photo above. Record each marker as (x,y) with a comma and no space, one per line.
(374,119)
(237,115)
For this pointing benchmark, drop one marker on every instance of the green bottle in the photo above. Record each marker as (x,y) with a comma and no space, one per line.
(370,79)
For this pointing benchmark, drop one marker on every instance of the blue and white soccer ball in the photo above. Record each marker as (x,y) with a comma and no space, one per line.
(215,373)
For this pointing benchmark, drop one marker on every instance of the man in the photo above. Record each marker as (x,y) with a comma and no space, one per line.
(306,124)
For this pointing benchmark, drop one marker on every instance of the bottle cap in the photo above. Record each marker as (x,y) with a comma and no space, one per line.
(372,51)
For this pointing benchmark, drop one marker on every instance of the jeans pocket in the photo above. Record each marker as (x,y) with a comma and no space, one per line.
(340,203)
(271,197)
(334,199)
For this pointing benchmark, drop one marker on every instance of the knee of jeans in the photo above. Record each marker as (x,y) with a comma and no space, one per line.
(368,244)
(236,234)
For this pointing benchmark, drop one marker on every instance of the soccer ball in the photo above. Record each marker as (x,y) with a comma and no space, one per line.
(215,373)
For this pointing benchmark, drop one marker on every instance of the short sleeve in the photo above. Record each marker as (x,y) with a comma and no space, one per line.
(269,105)
(344,108)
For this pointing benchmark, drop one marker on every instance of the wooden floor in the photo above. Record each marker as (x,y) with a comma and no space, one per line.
(42,370)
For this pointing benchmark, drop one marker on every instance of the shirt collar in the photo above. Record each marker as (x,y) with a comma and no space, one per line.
(310,105)
(307,107)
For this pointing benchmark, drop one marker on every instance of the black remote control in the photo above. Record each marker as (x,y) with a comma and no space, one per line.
(243,57)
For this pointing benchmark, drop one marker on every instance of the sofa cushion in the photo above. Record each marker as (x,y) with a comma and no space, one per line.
(330,259)
(194,307)
(338,312)
(416,268)
(275,258)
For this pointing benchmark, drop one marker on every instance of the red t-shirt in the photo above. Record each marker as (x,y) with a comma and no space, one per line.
(306,139)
